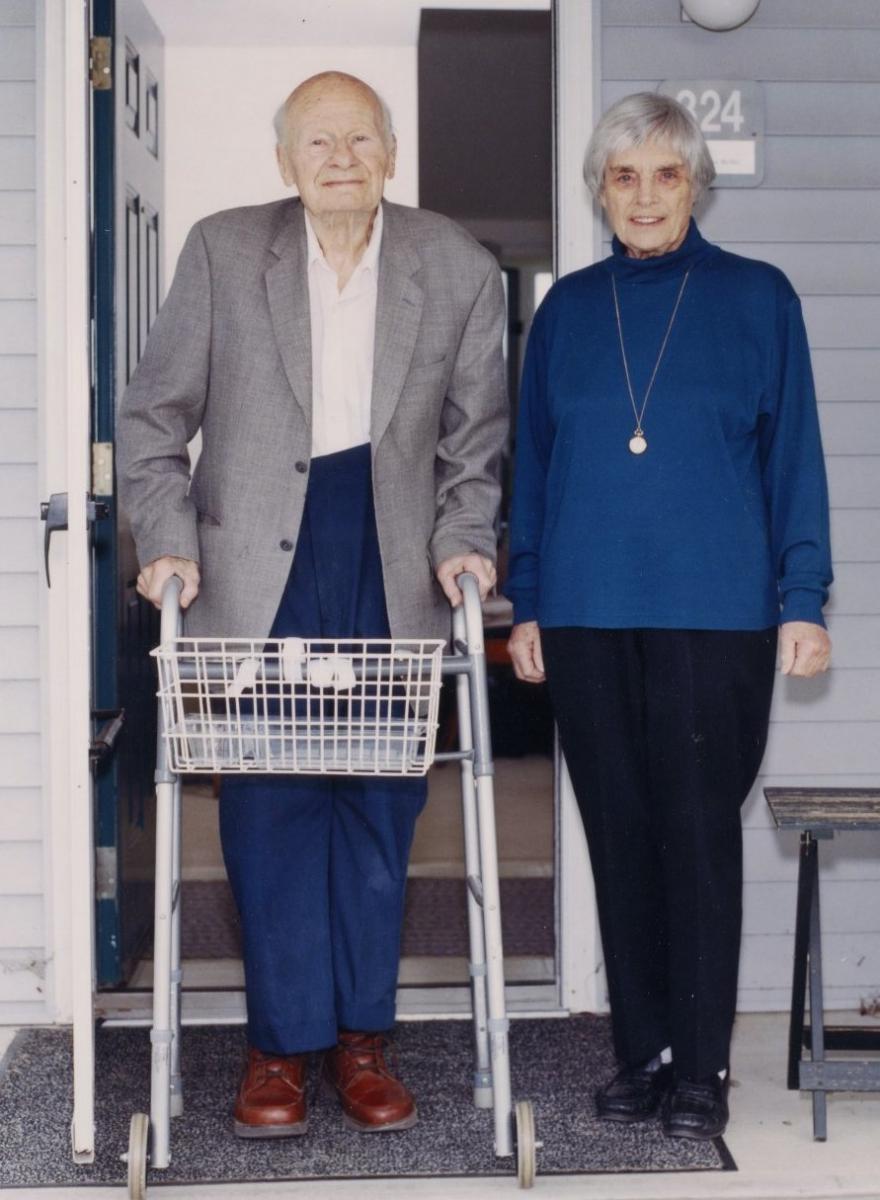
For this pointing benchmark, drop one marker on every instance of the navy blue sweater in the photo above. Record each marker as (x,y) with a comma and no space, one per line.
(723,522)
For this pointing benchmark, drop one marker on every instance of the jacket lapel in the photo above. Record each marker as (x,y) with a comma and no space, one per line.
(398,316)
(287,285)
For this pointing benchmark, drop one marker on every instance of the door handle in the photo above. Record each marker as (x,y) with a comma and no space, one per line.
(54,512)
(104,741)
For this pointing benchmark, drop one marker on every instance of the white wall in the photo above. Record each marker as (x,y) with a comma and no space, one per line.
(220,100)
(22,905)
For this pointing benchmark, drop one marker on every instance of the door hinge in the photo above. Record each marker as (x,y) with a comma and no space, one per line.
(102,468)
(105,873)
(101,63)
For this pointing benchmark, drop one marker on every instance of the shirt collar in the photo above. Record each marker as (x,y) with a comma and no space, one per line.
(370,256)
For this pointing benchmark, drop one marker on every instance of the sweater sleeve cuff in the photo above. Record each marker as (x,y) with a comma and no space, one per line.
(525,607)
(802,604)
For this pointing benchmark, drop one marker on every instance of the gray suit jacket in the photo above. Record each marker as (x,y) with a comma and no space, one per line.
(230,354)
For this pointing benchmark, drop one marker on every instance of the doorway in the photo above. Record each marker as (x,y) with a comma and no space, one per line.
(221,156)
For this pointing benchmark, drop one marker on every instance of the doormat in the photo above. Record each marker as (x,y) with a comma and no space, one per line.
(556,1064)
(434,920)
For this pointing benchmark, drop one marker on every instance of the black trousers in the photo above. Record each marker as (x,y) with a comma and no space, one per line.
(663,732)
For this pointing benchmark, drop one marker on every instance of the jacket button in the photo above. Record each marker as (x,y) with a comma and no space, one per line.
(301,467)
(286,545)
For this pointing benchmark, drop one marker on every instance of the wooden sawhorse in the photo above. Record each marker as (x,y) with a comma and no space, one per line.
(819,813)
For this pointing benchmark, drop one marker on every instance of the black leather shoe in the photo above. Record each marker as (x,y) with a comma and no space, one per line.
(635,1093)
(697,1108)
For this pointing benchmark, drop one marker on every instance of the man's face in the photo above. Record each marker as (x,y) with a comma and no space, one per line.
(334,152)
(648,196)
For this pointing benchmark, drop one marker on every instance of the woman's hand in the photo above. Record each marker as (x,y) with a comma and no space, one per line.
(524,648)
(805,648)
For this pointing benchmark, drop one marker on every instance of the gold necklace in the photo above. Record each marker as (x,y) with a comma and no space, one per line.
(638,443)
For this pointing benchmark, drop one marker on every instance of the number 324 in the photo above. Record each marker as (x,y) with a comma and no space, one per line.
(711,111)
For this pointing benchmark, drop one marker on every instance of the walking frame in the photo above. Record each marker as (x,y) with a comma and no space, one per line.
(323,707)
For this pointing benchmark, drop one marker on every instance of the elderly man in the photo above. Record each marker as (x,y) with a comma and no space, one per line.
(342,358)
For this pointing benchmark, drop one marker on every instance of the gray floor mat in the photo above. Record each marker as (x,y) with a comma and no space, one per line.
(557,1064)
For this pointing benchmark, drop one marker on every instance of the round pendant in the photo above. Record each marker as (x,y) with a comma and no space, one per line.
(637,444)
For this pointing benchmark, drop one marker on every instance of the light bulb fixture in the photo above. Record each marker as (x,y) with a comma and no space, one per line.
(720,15)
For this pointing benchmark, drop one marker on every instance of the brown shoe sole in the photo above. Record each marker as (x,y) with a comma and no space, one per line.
(365,1126)
(244,1130)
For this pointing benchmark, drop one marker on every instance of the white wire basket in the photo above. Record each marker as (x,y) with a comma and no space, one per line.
(306,706)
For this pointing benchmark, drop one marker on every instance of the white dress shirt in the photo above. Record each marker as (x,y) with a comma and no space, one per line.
(343,333)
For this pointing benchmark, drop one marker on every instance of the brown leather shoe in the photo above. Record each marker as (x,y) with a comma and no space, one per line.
(271,1099)
(372,1099)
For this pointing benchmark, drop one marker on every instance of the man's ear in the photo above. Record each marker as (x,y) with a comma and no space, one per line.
(392,159)
(283,167)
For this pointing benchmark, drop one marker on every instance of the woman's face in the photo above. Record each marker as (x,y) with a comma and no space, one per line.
(648,196)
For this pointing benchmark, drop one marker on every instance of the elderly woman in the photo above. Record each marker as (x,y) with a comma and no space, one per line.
(670,521)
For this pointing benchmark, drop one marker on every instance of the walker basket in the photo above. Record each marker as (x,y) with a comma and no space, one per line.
(306,706)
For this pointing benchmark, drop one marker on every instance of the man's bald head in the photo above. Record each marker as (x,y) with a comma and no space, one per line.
(311,90)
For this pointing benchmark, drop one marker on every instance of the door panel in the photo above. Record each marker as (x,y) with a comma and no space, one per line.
(128,205)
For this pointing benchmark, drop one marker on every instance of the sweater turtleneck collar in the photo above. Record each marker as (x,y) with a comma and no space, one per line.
(689,253)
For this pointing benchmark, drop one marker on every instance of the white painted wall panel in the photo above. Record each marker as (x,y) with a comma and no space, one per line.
(18,327)
(18,435)
(21,814)
(21,923)
(20,755)
(22,917)
(17,108)
(847,907)
(19,704)
(23,975)
(17,162)
(852,960)
(847,745)
(20,544)
(772,856)
(18,270)
(18,491)
(18,381)
(21,868)
(19,655)
(17,53)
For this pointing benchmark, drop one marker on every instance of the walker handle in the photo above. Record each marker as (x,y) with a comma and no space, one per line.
(472,608)
(172,621)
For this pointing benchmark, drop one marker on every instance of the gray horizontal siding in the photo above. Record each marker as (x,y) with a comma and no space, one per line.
(17,53)
(808,14)
(760,215)
(847,375)
(832,55)
(818,269)
(815,216)
(16,12)
(21,817)
(790,110)
(19,600)
(18,108)
(18,491)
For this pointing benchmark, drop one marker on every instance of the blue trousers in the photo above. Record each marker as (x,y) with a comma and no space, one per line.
(318,865)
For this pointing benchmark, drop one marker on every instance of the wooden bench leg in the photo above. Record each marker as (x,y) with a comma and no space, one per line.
(801,958)
(817,1008)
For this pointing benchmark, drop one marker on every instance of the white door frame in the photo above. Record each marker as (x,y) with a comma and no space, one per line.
(576,27)
(65,433)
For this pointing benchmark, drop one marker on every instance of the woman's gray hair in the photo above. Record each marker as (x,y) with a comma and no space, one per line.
(642,117)
(279,121)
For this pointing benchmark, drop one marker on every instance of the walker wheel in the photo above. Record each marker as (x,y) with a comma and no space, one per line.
(138,1139)
(526,1146)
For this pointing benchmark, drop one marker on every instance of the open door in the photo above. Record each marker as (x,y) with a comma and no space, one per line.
(127,281)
